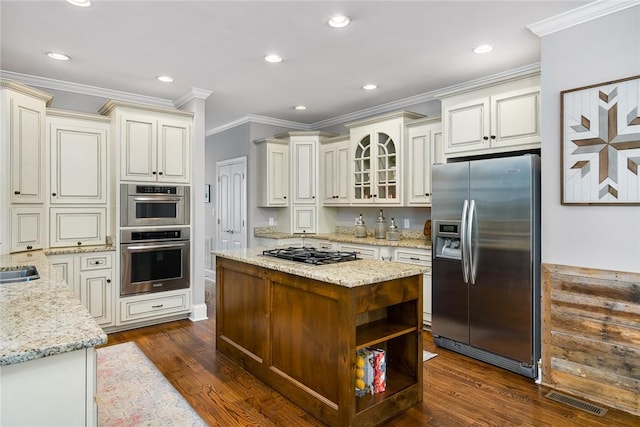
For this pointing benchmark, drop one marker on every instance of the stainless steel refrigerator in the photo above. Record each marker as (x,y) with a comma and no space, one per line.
(486,260)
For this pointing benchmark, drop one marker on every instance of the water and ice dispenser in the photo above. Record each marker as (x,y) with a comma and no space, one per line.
(448,244)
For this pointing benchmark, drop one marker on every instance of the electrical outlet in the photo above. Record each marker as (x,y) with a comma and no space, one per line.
(406,223)
(270,221)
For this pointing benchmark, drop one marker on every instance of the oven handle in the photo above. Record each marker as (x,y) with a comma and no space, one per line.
(157,199)
(151,247)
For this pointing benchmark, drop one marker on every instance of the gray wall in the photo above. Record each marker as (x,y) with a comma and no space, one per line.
(603,237)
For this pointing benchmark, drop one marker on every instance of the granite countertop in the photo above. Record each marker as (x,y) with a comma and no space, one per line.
(42,317)
(79,249)
(408,239)
(349,273)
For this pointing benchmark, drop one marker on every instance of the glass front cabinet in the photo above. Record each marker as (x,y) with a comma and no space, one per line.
(377,158)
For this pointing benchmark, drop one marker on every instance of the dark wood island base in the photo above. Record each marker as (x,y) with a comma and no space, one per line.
(300,336)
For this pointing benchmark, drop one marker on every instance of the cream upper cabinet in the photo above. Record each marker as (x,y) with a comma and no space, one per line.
(79,163)
(154,142)
(335,162)
(23,141)
(304,168)
(423,136)
(77,226)
(272,171)
(376,155)
(498,118)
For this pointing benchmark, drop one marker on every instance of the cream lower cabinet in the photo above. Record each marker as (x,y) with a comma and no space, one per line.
(90,276)
(56,390)
(27,228)
(420,257)
(362,251)
(152,307)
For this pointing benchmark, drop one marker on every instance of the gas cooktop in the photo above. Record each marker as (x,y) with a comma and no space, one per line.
(310,255)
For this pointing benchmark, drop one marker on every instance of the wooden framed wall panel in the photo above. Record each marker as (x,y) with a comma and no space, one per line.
(591,335)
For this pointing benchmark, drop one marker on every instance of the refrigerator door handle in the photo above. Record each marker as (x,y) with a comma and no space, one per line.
(469,248)
(463,240)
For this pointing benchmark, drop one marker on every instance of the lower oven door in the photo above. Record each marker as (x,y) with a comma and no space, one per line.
(154,267)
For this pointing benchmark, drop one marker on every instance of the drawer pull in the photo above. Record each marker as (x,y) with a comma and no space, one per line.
(415,258)
(157,306)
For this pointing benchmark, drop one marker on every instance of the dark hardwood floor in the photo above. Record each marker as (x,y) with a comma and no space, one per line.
(458,391)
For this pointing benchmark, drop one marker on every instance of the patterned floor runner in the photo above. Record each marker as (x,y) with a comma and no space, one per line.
(132,392)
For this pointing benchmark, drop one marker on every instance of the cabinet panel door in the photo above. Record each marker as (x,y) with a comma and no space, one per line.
(466,125)
(96,293)
(515,118)
(78,163)
(77,226)
(174,151)
(27,149)
(64,269)
(426,298)
(328,176)
(342,175)
(419,166)
(304,219)
(27,228)
(138,148)
(304,172)
(278,177)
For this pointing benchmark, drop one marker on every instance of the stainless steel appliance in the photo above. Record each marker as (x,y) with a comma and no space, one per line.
(310,255)
(486,260)
(152,205)
(154,260)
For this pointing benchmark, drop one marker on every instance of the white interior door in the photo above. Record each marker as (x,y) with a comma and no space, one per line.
(231,203)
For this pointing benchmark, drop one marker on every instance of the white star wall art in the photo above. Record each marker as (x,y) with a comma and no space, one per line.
(600,157)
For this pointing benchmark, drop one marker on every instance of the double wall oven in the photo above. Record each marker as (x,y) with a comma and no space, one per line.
(154,238)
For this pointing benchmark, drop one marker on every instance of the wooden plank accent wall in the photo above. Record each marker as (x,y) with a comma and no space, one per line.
(591,334)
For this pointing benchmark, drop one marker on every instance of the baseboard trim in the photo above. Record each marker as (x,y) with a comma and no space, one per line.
(198,312)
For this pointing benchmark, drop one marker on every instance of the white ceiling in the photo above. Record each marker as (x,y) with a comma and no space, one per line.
(407,48)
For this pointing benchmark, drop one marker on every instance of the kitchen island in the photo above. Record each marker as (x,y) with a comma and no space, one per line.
(47,350)
(297,327)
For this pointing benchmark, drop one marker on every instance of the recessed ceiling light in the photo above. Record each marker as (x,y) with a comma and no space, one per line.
(273,58)
(339,21)
(81,3)
(369,87)
(59,56)
(300,107)
(483,48)
(166,79)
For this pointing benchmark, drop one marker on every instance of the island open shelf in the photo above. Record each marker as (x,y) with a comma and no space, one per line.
(300,336)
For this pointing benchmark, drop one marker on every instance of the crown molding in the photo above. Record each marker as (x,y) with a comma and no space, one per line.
(252,118)
(194,93)
(374,111)
(527,71)
(27,90)
(580,15)
(47,83)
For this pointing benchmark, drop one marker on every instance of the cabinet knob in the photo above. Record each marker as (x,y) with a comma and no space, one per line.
(153,173)
(493,137)
(284,197)
(79,243)
(29,247)
(313,197)
(485,138)
(54,194)
(108,280)
(159,173)
(16,192)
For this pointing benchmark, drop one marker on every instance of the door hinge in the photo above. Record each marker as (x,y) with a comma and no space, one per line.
(218,180)
(243,222)
(242,175)
(218,221)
